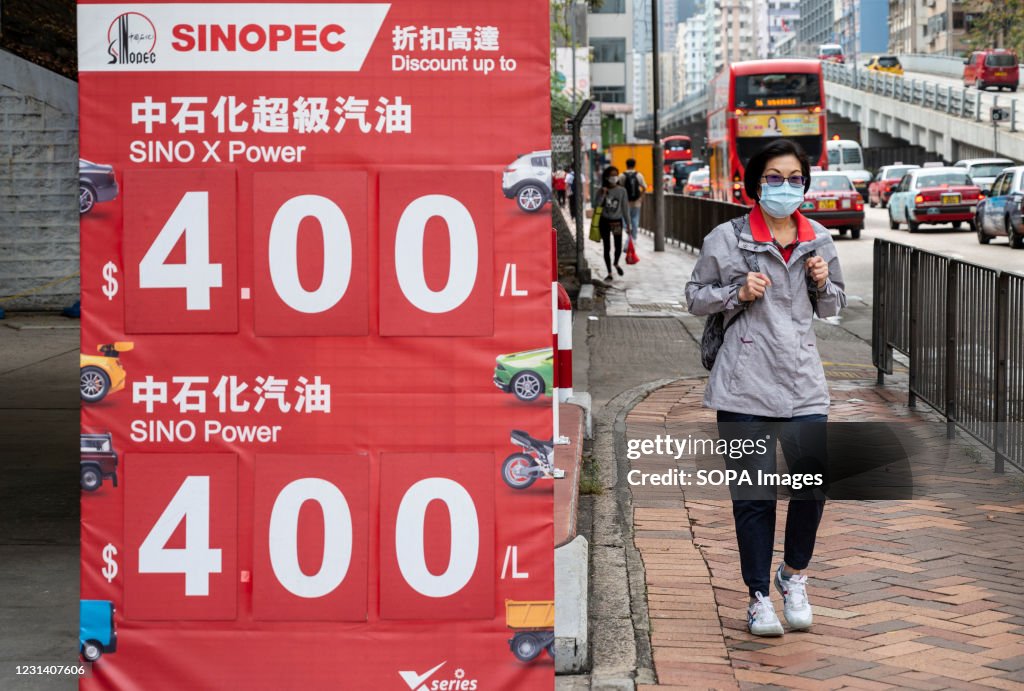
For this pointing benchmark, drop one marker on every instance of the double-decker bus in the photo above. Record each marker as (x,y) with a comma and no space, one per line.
(753,103)
(677,148)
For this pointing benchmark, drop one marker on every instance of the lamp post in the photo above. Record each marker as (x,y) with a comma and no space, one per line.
(658,154)
(949,27)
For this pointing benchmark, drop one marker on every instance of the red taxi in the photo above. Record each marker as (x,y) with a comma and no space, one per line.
(884,182)
(833,202)
(933,195)
(698,184)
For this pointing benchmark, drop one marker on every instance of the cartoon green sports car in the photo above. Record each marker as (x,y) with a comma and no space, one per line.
(527,374)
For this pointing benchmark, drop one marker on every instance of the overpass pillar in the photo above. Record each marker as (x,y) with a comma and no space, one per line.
(872,138)
(947,147)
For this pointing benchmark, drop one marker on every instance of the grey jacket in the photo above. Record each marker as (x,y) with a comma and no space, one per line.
(769,362)
(615,203)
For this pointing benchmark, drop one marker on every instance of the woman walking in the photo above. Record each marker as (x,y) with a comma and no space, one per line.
(769,275)
(614,203)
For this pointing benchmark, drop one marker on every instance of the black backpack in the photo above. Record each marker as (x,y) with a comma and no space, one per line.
(632,184)
(715,324)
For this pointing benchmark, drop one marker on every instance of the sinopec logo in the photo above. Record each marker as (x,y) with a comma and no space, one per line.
(131,40)
(252,37)
(262,36)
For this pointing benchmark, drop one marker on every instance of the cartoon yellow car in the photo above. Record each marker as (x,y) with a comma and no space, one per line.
(103,374)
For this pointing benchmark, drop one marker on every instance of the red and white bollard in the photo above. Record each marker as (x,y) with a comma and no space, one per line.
(561,331)
(564,344)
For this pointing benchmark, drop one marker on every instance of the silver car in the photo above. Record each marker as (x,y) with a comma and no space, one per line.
(983,171)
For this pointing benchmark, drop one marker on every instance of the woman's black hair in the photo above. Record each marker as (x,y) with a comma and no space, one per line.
(606,173)
(759,161)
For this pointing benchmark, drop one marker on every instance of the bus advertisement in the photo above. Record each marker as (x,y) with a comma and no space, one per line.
(753,103)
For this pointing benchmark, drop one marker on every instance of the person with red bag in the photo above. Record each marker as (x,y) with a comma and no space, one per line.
(631,256)
(614,204)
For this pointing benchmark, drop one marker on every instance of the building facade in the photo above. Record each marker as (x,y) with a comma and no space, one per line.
(612,68)
(733,33)
(905,32)
(691,56)
(667,76)
(862,27)
(817,25)
(924,26)
(783,21)
(936,36)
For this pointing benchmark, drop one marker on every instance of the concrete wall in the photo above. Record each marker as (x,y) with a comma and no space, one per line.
(948,136)
(945,65)
(38,185)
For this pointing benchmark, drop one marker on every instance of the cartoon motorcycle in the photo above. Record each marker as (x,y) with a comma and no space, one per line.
(537,459)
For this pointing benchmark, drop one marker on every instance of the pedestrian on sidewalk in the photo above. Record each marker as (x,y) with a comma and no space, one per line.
(635,186)
(570,185)
(558,182)
(614,203)
(769,274)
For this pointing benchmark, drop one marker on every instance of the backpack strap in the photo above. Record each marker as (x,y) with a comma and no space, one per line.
(749,257)
(812,287)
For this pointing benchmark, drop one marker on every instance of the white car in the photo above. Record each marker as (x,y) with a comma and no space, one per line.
(528,181)
(844,154)
(984,171)
(860,179)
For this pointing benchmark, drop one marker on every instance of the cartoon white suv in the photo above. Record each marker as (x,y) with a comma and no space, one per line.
(528,180)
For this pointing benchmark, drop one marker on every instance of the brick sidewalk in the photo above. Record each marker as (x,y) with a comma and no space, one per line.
(922,594)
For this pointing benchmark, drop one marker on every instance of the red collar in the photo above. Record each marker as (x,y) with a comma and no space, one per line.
(759,227)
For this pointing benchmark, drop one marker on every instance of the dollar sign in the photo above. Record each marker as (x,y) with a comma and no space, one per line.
(110,570)
(110,289)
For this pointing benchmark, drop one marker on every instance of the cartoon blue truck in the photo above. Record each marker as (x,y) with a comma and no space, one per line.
(96,633)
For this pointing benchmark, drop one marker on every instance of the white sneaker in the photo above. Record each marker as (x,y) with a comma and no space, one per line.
(794,600)
(761,618)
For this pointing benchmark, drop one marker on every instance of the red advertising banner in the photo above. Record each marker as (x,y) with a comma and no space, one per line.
(306,390)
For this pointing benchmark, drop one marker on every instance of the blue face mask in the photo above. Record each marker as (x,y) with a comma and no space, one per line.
(781,201)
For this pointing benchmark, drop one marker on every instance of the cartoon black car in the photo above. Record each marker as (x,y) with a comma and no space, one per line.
(99,460)
(96,183)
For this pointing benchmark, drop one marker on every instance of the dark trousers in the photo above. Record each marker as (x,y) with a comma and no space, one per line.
(804,446)
(560,196)
(611,230)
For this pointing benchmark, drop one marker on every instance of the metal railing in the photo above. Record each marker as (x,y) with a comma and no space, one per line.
(952,100)
(945,98)
(961,326)
(688,220)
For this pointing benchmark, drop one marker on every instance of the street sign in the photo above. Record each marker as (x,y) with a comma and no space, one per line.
(561,143)
(1000,114)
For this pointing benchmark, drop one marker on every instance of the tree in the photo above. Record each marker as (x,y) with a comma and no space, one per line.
(997,24)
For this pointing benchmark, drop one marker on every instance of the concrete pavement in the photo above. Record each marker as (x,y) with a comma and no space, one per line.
(39,496)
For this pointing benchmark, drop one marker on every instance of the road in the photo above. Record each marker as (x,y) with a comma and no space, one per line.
(857,257)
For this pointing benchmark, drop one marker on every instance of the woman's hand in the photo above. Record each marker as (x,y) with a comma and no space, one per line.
(817,269)
(754,288)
